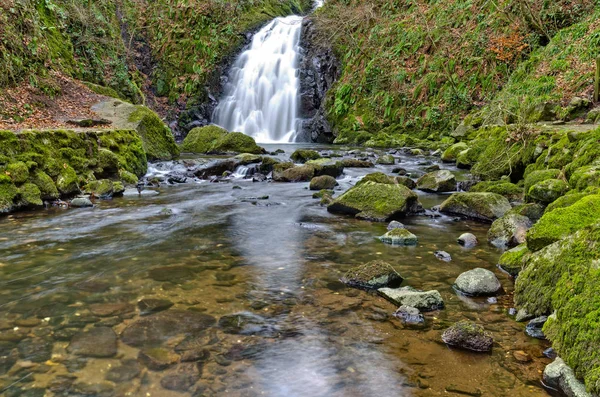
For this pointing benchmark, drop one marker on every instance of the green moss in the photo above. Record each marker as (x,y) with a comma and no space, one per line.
(267,165)
(567,200)
(376,201)
(18,172)
(102,188)
(67,181)
(504,188)
(202,139)
(378,177)
(128,177)
(302,156)
(450,155)
(533,211)
(547,191)
(238,143)
(46,185)
(399,237)
(540,176)
(584,177)
(30,196)
(101,90)
(157,138)
(351,137)
(513,260)
(324,182)
(485,207)
(561,222)
(8,192)
(108,162)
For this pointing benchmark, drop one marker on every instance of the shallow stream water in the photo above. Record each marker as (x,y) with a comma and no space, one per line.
(213,251)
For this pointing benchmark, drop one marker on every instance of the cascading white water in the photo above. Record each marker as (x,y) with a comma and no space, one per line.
(261,97)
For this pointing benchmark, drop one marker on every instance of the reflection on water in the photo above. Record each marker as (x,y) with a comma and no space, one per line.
(239,298)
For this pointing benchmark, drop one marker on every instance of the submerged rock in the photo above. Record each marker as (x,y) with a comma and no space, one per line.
(182,378)
(373,275)
(468,335)
(467,240)
(399,237)
(485,207)
(246,323)
(437,182)
(376,201)
(128,370)
(97,342)
(149,306)
(478,282)
(409,315)
(425,301)
(157,359)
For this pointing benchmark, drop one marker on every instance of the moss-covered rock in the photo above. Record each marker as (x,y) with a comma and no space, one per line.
(406,181)
(450,155)
(485,207)
(18,172)
(504,188)
(236,142)
(399,236)
(562,222)
(547,191)
(564,278)
(355,163)
(303,173)
(128,177)
(304,155)
(324,182)
(268,164)
(202,139)
(437,182)
(378,177)
(387,159)
(248,158)
(8,192)
(372,276)
(468,335)
(67,182)
(46,185)
(513,261)
(102,188)
(509,230)
(329,167)
(568,200)
(30,196)
(376,201)
(535,177)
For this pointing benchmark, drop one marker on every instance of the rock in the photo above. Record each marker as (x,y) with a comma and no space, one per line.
(81,202)
(468,335)
(303,155)
(214,139)
(355,163)
(409,315)
(182,378)
(386,160)
(378,177)
(504,188)
(395,225)
(539,176)
(376,201)
(547,191)
(172,274)
(100,389)
(215,168)
(450,154)
(432,168)
(399,237)
(513,260)
(437,182)
(331,167)
(246,323)
(128,370)
(443,256)
(464,390)
(304,173)
(156,328)
(248,158)
(372,276)
(37,350)
(467,240)
(485,207)
(97,342)
(425,301)
(149,306)
(406,181)
(535,326)
(478,282)
(324,182)
(157,359)
(111,309)
(523,315)
(560,376)
(509,231)
(521,356)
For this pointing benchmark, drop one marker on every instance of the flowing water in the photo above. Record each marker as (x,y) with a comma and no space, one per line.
(199,252)
(261,95)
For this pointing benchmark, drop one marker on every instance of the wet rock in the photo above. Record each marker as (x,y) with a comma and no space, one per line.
(409,315)
(156,328)
(406,181)
(216,168)
(28,322)
(523,315)
(399,237)
(246,323)
(485,207)
(376,201)
(534,327)
(395,225)
(355,163)
(467,240)
(468,335)
(550,353)
(521,356)
(81,202)
(149,306)
(61,383)
(560,376)
(172,274)
(509,231)
(400,171)
(386,160)
(437,182)
(97,342)
(372,276)
(303,155)
(111,309)
(478,282)
(157,359)
(331,167)
(8,357)
(302,173)
(101,389)
(432,168)
(182,378)
(464,390)
(548,191)
(425,301)
(443,256)
(324,182)
(37,350)
(128,370)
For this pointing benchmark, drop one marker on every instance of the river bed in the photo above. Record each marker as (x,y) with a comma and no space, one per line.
(201,251)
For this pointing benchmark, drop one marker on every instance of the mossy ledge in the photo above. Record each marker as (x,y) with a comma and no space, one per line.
(47,165)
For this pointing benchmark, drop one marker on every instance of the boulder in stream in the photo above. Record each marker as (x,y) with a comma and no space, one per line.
(437,182)
(425,301)
(372,276)
(324,182)
(478,282)
(560,376)
(485,207)
(468,335)
(409,315)
(467,240)
(399,237)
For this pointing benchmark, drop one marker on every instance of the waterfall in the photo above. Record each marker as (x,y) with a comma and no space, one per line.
(261,95)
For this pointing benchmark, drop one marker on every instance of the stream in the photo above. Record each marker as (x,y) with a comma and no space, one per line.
(211,289)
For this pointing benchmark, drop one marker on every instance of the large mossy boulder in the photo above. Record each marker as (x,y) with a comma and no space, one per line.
(513,260)
(377,202)
(503,188)
(437,182)
(158,141)
(324,182)
(558,224)
(378,177)
(304,155)
(450,154)
(214,139)
(564,278)
(331,167)
(509,230)
(485,207)
(547,191)
(539,176)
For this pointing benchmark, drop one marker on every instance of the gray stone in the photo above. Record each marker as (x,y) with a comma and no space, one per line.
(425,301)
(386,160)
(97,342)
(37,350)
(467,240)
(534,327)
(560,376)
(437,182)
(128,370)
(372,275)
(182,378)
(399,237)
(509,231)
(157,359)
(395,225)
(523,315)
(81,202)
(478,282)
(409,315)
(149,306)
(246,323)
(468,335)
(443,256)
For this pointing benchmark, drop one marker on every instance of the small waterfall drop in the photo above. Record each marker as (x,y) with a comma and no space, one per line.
(261,97)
